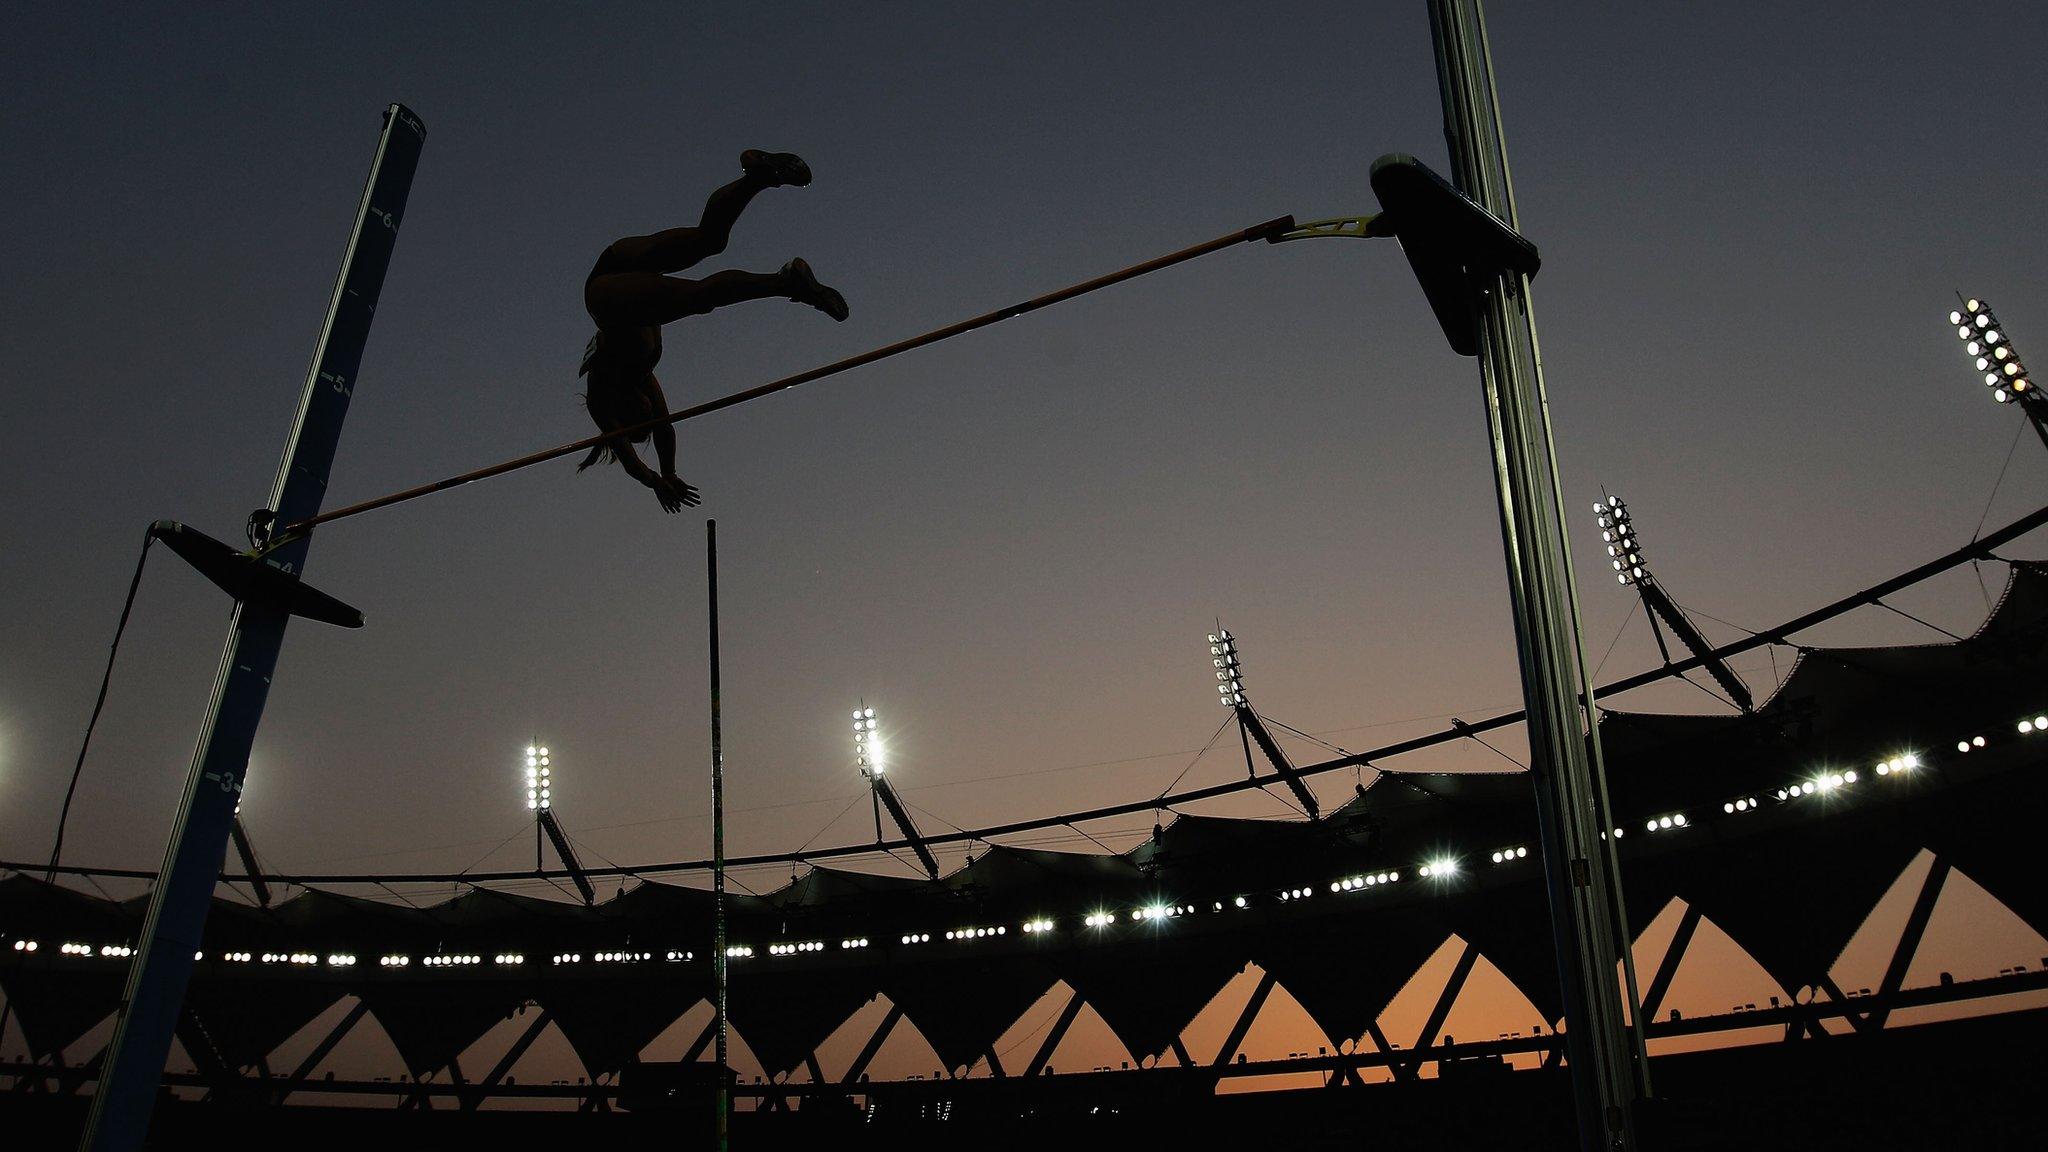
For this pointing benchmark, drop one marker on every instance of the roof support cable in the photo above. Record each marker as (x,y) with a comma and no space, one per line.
(1472,734)
(1093,840)
(106,679)
(1916,619)
(1189,766)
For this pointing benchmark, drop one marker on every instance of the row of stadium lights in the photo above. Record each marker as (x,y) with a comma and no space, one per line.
(117,951)
(1440,868)
(560,958)
(976,933)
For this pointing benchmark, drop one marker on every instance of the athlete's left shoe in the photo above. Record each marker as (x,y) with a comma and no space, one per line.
(805,289)
(776,169)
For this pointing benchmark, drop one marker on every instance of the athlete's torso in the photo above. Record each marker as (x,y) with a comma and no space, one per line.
(618,365)
(621,352)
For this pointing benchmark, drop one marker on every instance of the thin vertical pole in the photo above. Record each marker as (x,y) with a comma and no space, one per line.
(718,959)
(171,930)
(1582,875)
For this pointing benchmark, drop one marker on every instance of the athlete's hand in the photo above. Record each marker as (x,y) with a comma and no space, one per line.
(674,494)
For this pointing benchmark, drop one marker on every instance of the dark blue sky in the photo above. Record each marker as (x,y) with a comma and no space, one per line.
(1752,216)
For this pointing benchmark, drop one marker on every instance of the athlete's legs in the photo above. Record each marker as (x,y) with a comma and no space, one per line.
(647,300)
(674,249)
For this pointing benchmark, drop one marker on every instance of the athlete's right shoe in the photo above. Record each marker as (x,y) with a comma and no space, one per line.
(776,169)
(805,289)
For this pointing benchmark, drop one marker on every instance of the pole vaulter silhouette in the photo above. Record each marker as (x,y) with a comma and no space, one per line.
(630,295)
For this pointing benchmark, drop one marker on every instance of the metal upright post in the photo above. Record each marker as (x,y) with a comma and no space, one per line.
(149,1008)
(718,957)
(1564,740)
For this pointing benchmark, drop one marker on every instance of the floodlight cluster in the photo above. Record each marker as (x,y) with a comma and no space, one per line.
(1229,675)
(1904,762)
(677,957)
(867,744)
(1969,745)
(1040,925)
(852,942)
(24,945)
(1301,893)
(1749,804)
(2036,724)
(1666,823)
(975,933)
(1507,854)
(508,959)
(1440,868)
(917,938)
(539,777)
(291,958)
(1100,919)
(1624,551)
(794,948)
(462,960)
(739,952)
(341,960)
(1990,351)
(391,961)
(625,957)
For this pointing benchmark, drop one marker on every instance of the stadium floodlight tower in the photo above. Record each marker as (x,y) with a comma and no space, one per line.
(540,780)
(1250,728)
(867,752)
(1994,357)
(1625,554)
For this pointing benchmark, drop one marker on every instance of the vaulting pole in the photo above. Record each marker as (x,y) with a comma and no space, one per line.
(718,957)
(148,1013)
(1564,737)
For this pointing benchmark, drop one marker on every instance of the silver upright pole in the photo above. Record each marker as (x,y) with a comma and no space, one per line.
(1564,739)
(148,1012)
(718,958)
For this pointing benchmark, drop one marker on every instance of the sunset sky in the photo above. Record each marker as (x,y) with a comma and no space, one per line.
(1753,219)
